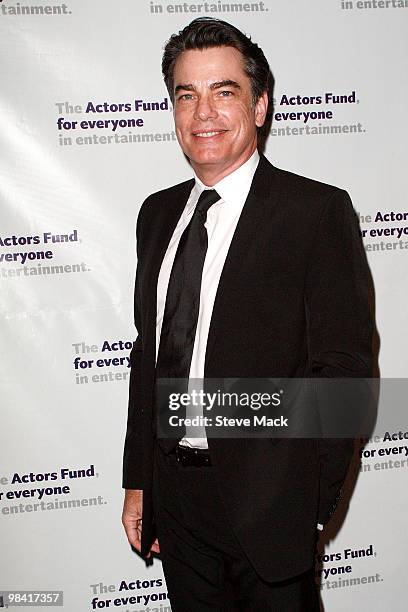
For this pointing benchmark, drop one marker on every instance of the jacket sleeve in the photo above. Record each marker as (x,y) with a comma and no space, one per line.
(133,447)
(340,327)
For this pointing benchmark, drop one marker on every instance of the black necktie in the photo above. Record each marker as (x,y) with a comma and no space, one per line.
(183,299)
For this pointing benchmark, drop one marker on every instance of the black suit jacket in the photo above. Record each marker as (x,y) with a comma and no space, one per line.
(292,301)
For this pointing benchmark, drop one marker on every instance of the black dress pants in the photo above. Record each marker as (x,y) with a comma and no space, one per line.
(204,565)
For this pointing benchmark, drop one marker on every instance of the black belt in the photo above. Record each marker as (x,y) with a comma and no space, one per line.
(199,457)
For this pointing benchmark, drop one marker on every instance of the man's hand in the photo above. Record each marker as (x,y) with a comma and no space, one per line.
(132,519)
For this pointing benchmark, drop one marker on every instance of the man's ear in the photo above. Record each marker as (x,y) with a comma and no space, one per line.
(261,108)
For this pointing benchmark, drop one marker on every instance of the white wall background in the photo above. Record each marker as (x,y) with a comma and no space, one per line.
(55,416)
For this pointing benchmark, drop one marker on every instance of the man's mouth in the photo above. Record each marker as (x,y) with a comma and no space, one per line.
(208,134)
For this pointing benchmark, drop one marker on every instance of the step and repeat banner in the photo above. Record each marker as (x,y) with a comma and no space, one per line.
(86,134)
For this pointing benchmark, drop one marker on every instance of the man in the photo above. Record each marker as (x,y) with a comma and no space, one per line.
(247,271)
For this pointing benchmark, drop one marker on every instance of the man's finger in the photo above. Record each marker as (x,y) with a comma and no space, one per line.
(132,516)
(155,547)
(133,529)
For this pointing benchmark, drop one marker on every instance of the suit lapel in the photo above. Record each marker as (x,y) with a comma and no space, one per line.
(262,195)
(170,213)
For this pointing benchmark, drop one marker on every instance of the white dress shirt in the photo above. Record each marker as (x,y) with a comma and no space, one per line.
(222,219)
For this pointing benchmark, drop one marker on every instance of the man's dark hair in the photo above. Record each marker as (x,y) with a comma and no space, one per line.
(206,32)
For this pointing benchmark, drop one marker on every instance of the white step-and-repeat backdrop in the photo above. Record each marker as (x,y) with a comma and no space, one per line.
(87,133)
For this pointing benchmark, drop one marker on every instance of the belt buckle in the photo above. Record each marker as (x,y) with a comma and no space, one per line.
(187,456)
(195,458)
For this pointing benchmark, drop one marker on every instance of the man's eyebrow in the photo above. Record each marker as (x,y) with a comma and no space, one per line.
(225,83)
(184,87)
(216,85)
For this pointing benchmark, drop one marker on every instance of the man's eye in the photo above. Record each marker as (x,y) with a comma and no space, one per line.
(225,93)
(187,96)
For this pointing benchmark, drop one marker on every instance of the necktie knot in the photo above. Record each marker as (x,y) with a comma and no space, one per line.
(207,198)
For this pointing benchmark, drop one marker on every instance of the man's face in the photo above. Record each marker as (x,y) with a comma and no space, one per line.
(214,115)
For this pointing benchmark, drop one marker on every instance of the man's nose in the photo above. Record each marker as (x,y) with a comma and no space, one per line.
(205,109)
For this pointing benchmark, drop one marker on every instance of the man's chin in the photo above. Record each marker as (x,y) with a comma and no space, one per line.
(203,160)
